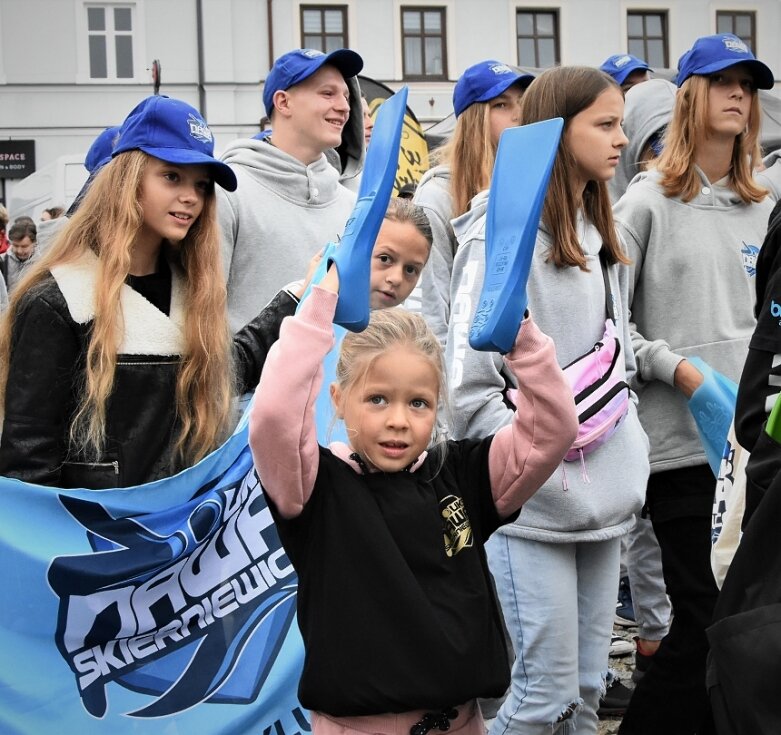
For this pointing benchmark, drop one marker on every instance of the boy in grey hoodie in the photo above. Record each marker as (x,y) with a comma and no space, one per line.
(289,202)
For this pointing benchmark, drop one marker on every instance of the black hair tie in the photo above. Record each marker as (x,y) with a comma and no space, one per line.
(431,720)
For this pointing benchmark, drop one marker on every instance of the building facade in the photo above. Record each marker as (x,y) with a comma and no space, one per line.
(69,68)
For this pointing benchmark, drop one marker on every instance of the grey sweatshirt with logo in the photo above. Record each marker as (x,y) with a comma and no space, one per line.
(431,297)
(691,294)
(599,498)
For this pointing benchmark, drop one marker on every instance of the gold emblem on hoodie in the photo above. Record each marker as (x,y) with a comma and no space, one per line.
(458,530)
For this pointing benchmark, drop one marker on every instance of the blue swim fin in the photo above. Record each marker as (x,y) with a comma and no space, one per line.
(524,161)
(353,253)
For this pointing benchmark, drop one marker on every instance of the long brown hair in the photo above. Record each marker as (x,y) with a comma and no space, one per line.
(470,154)
(564,92)
(690,119)
(107,222)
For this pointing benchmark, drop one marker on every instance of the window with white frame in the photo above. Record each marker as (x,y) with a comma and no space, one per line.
(110,41)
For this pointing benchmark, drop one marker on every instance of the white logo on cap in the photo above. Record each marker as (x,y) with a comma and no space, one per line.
(198,129)
(501,69)
(623,61)
(313,53)
(736,45)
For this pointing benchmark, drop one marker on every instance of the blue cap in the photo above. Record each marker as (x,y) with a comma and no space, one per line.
(484,81)
(99,153)
(620,66)
(295,66)
(175,132)
(710,54)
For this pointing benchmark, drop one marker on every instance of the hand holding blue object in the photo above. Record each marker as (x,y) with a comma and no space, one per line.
(713,408)
(524,161)
(352,255)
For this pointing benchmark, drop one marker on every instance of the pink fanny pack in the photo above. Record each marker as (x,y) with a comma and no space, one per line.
(598,382)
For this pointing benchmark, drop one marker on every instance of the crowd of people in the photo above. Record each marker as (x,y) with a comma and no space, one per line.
(459,556)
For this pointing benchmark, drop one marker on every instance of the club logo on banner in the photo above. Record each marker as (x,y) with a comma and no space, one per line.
(188,605)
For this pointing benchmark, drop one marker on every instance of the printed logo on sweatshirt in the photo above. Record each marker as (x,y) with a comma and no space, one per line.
(749,253)
(458,530)
(775,311)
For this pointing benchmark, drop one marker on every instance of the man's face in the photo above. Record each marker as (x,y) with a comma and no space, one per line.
(319,108)
(23,248)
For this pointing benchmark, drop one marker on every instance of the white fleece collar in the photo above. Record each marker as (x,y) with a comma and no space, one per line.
(147,330)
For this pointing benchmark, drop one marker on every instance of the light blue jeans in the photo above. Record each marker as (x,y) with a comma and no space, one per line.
(558,602)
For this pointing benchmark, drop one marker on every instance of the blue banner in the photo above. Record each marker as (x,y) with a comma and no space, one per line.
(164,608)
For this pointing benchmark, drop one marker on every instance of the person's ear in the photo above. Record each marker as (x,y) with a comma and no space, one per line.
(336,399)
(281,100)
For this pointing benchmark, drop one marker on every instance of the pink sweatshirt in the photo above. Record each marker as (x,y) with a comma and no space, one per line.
(282,432)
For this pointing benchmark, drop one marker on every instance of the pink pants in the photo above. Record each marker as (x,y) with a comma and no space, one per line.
(468,722)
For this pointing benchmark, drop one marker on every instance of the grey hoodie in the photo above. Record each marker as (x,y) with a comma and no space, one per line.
(648,108)
(770,178)
(691,294)
(593,501)
(431,297)
(280,215)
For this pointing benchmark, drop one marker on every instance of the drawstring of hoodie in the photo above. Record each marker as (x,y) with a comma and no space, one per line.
(583,472)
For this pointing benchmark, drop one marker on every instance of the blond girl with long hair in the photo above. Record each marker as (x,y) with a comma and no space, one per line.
(116,364)
(486,100)
(693,228)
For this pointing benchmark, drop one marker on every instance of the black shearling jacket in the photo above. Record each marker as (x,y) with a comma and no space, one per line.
(49,344)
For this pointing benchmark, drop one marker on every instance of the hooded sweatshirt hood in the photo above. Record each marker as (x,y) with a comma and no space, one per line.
(282,173)
(770,178)
(648,108)
(347,158)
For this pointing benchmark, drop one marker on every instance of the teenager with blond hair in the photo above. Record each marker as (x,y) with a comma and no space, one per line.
(693,227)
(116,362)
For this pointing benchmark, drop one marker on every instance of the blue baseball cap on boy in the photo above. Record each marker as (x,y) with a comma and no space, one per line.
(175,132)
(99,153)
(710,54)
(484,81)
(295,66)
(620,66)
